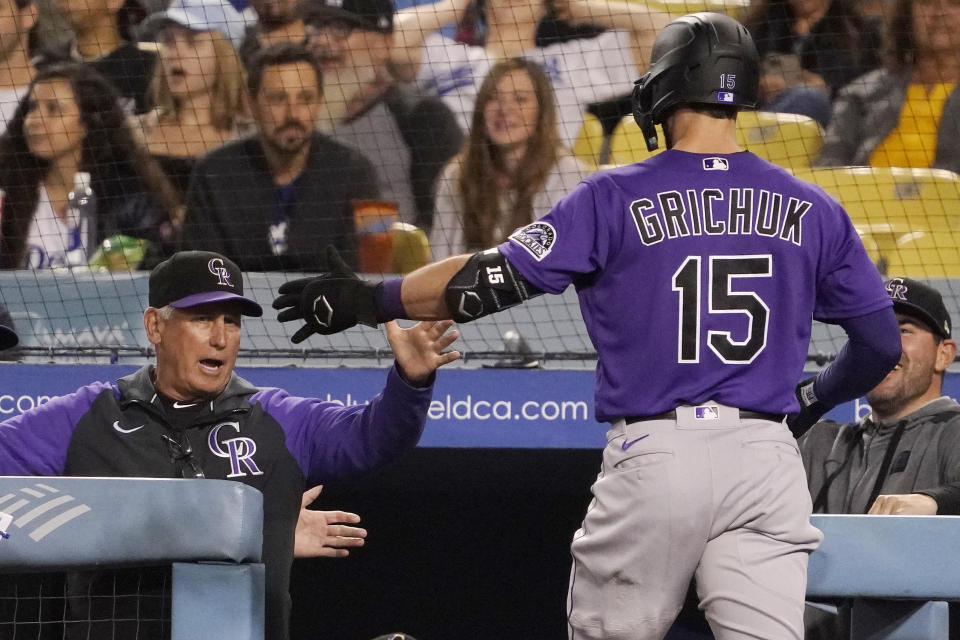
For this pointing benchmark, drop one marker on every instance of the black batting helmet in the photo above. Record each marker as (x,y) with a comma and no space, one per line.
(701,58)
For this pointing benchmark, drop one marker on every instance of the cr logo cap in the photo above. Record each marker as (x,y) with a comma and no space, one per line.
(191,278)
(921,301)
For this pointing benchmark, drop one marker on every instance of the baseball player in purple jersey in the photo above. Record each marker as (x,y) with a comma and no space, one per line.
(698,273)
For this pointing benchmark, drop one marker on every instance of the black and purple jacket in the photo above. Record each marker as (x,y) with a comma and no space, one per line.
(263,437)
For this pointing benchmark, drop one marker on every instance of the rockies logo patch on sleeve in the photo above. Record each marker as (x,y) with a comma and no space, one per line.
(537,238)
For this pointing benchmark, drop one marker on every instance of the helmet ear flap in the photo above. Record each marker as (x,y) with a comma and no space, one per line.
(641,103)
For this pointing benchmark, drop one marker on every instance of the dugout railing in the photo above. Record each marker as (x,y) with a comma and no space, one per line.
(209,531)
(899,571)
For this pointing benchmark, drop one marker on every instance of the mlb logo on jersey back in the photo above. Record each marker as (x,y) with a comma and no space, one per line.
(706,413)
(537,238)
(716,164)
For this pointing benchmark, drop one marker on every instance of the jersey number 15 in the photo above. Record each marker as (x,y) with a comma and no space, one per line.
(721,299)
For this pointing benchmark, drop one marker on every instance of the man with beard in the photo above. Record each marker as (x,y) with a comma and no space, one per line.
(407,136)
(903,458)
(278,21)
(271,199)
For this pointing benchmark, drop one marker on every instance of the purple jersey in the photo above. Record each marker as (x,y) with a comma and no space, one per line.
(698,276)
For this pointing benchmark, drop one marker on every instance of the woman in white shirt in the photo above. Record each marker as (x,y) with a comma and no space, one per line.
(69,124)
(513,168)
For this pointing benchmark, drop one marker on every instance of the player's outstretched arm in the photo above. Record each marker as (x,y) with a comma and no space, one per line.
(423,291)
(462,288)
(873,349)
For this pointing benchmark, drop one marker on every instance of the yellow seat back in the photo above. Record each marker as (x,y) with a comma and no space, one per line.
(627,144)
(908,218)
(733,8)
(785,139)
(589,143)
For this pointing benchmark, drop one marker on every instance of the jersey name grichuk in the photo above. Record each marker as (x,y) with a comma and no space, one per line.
(698,285)
(736,211)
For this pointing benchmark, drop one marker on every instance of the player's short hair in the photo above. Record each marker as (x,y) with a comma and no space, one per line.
(720,112)
(283,53)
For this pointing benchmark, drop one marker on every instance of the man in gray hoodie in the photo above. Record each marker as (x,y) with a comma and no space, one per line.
(903,458)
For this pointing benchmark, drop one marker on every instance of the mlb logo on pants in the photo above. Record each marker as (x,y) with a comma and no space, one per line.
(706,413)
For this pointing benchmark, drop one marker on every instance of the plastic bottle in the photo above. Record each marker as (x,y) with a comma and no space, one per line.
(82,219)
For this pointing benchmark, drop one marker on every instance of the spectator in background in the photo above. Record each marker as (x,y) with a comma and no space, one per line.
(70,122)
(582,71)
(407,137)
(277,21)
(810,50)
(512,166)
(904,457)
(8,337)
(906,114)
(114,54)
(198,89)
(273,198)
(17,18)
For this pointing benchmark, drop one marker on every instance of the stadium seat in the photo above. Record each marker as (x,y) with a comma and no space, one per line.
(898,196)
(589,143)
(627,144)
(788,140)
(908,218)
(925,254)
(733,8)
(785,139)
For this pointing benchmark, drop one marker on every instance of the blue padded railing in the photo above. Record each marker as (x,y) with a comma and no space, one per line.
(899,571)
(211,531)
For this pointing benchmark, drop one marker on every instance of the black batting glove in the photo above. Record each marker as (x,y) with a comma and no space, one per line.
(811,409)
(328,303)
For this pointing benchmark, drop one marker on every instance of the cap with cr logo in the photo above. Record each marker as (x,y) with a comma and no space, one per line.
(921,301)
(191,278)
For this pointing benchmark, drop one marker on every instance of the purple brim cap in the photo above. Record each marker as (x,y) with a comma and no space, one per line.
(250,308)
(8,338)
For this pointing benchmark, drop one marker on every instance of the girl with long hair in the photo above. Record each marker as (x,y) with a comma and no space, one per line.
(199,93)
(70,123)
(198,88)
(513,167)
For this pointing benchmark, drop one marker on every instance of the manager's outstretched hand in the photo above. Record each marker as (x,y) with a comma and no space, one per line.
(419,350)
(328,303)
(325,534)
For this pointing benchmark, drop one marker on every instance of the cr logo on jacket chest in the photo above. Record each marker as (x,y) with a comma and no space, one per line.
(239,450)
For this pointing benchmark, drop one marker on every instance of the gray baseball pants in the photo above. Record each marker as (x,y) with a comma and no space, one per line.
(706,494)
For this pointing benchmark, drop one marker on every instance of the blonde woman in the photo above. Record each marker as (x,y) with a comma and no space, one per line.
(513,167)
(198,85)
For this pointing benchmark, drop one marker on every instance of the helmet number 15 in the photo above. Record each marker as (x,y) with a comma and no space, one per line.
(723,270)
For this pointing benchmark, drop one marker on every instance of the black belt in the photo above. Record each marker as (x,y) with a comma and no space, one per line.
(672,415)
